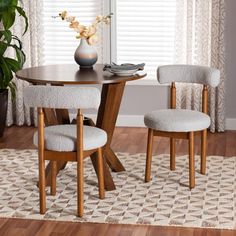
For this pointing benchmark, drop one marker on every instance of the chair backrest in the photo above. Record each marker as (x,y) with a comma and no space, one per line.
(62,97)
(189,74)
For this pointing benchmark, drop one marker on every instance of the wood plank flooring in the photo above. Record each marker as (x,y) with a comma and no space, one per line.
(131,140)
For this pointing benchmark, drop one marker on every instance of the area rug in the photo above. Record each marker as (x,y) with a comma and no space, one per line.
(165,201)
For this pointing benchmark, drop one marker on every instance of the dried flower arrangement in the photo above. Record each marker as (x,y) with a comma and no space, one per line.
(85,32)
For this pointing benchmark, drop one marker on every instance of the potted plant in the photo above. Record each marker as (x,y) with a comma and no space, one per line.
(8,66)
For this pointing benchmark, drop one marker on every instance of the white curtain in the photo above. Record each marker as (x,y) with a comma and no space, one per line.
(17,113)
(200,41)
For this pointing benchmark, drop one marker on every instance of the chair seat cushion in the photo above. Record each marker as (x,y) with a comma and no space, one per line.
(63,138)
(177,120)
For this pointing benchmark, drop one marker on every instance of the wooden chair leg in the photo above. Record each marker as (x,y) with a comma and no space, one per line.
(172,153)
(42,193)
(53,177)
(203,151)
(80,187)
(41,162)
(191,161)
(149,156)
(100,174)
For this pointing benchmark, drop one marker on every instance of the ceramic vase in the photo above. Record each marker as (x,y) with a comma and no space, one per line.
(85,55)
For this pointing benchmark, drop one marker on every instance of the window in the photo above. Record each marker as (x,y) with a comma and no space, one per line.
(141,31)
(145,32)
(59,40)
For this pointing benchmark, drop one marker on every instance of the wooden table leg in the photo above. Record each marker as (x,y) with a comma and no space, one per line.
(108,180)
(60,166)
(112,160)
(111,157)
(106,120)
(63,116)
(50,117)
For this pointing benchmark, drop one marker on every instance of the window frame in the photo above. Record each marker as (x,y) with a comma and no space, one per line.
(113,48)
(109,43)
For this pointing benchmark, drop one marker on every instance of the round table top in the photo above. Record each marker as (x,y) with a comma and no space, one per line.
(72,74)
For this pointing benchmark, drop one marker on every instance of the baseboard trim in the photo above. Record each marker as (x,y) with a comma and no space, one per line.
(125,120)
(230,124)
(137,121)
(130,121)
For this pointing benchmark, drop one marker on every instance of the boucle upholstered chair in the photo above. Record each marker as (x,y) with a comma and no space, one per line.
(66,142)
(181,123)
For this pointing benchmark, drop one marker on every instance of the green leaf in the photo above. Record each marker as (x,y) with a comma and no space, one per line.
(8,66)
(3,48)
(5,4)
(19,55)
(15,2)
(8,18)
(7,35)
(7,73)
(22,13)
(18,40)
(14,64)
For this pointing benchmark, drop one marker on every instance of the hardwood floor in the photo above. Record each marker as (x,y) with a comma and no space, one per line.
(131,140)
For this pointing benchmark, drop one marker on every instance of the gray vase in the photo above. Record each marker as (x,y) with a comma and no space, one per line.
(85,55)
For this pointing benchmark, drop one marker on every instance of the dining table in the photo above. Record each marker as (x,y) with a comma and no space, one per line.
(112,88)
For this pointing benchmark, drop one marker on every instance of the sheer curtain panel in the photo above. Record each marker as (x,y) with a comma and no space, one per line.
(200,41)
(32,44)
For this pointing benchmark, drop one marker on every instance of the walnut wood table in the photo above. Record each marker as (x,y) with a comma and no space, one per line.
(112,91)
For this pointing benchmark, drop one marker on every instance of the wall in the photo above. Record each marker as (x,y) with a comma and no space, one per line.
(139,99)
(231,59)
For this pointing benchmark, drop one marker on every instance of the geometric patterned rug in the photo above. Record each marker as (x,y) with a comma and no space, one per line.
(166,200)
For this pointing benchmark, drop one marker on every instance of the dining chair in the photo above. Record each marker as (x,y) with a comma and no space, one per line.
(181,123)
(72,142)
